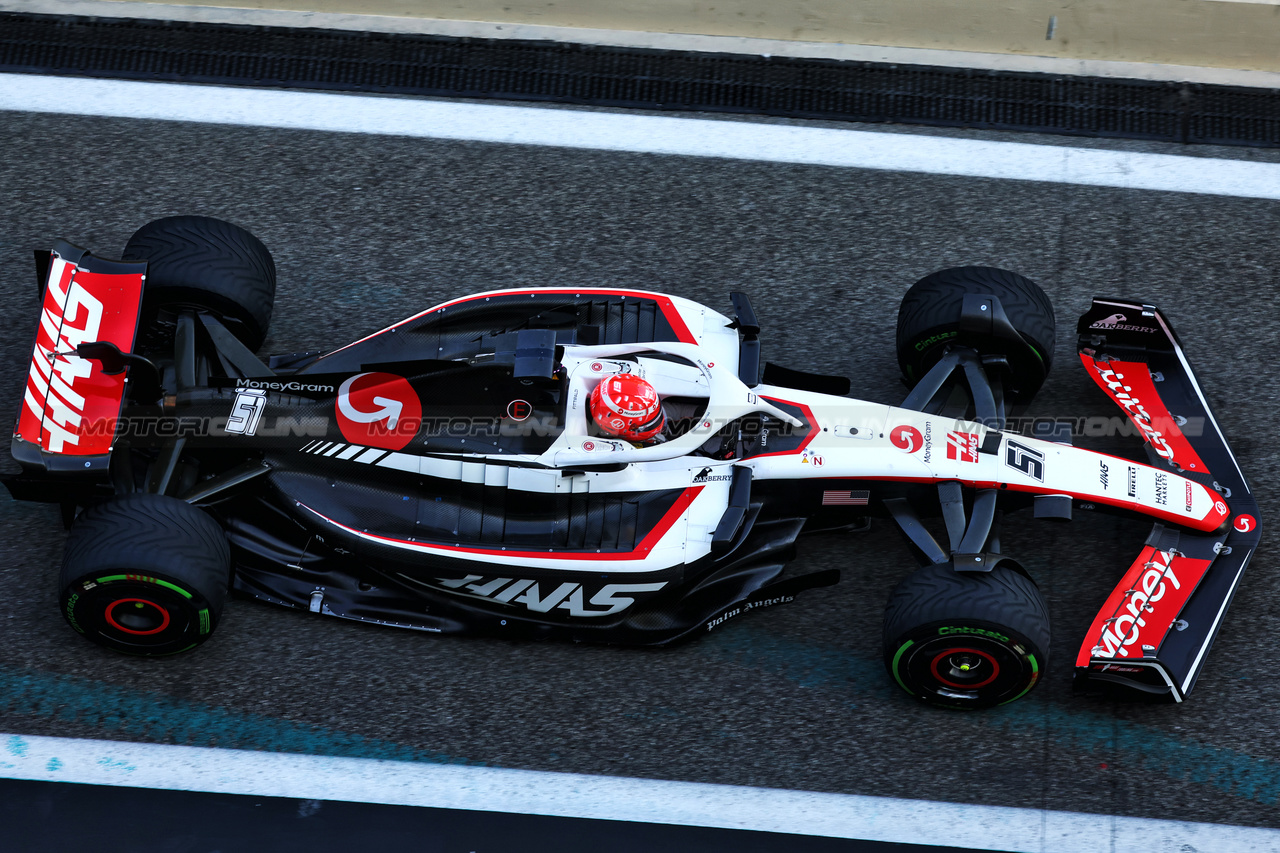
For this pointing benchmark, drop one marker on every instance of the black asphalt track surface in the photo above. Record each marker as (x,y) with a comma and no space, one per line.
(366,230)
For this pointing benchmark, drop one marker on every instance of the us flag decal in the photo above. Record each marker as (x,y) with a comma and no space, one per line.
(845,498)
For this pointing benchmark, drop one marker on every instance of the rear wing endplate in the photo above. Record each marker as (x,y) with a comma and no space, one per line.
(71,405)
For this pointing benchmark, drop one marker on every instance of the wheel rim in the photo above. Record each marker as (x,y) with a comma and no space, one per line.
(137,616)
(965,670)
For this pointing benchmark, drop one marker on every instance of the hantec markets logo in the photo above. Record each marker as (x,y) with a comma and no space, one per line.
(378,410)
(1245,523)
(906,438)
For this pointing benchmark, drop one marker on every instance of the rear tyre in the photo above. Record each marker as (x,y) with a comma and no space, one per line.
(205,263)
(966,640)
(929,320)
(145,575)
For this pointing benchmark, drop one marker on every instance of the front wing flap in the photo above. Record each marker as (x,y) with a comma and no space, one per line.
(1154,631)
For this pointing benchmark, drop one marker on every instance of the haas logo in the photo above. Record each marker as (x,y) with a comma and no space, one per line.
(378,410)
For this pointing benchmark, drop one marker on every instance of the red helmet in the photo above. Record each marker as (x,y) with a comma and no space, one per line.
(628,407)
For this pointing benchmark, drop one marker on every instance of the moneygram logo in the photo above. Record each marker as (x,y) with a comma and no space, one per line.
(906,438)
(378,410)
(1139,606)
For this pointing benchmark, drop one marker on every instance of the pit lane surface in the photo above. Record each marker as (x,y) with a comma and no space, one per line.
(366,230)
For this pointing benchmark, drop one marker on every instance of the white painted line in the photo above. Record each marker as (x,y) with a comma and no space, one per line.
(653,41)
(184,768)
(610,131)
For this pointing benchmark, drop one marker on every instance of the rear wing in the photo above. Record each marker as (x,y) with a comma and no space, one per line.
(71,405)
(1154,631)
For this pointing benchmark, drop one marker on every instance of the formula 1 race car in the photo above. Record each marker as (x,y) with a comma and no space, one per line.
(444,474)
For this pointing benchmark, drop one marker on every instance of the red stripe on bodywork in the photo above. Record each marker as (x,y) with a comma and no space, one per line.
(667,307)
(1130,385)
(641,551)
(1142,607)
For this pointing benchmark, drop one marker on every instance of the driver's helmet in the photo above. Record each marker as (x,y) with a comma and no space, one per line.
(628,407)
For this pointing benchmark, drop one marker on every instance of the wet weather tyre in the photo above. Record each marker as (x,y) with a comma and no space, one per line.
(929,320)
(145,575)
(966,640)
(205,263)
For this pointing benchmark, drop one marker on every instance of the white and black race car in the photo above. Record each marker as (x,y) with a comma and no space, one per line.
(444,474)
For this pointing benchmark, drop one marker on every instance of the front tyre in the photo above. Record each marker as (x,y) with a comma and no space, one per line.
(966,640)
(929,321)
(145,575)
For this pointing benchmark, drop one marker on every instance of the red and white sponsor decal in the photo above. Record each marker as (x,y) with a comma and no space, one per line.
(1129,383)
(519,410)
(378,410)
(1245,523)
(1143,605)
(962,446)
(906,438)
(70,405)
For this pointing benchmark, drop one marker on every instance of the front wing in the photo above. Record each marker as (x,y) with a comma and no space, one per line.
(1154,631)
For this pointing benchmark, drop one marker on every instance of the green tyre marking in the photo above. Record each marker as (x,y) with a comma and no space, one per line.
(204,621)
(940,337)
(1035,676)
(174,587)
(146,579)
(71,612)
(896,658)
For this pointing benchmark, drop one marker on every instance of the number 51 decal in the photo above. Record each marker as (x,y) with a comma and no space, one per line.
(1028,460)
